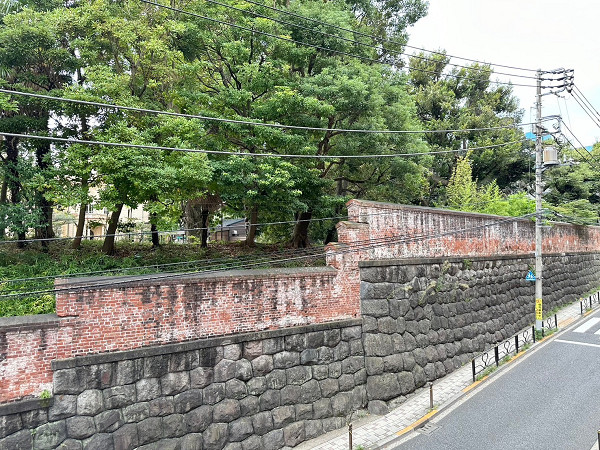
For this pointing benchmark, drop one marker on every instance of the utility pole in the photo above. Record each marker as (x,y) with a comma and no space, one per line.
(538,204)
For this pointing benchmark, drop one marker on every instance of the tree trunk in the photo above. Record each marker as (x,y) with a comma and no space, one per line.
(109,241)
(154,231)
(193,218)
(205,213)
(251,236)
(3,200)
(300,236)
(80,226)
(14,183)
(44,230)
(84,182)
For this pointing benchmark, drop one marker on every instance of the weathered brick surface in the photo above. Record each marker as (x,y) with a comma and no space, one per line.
(147,313)
(144,313)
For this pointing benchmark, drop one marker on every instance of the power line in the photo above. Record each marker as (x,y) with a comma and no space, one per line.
(342,38)
(168,232)
(318,47)
(247,122)
(350,248)
(264,33)
(204,261)
(588,102)
(219,152)
(586,109)
(587,158)
(383,40)
(311,252)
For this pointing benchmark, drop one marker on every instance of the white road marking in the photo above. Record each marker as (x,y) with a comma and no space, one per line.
(587,325)
(586,344)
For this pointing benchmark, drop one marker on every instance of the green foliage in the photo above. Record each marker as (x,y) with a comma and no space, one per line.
(463,194)
(60,260)
(45,394)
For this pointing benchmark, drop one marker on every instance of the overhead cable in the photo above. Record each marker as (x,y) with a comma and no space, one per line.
(249,154)
(382,40)
(587,158)
(365,245)
(248,122)
(585,98)
(318,47)
(342,38)
(586,109)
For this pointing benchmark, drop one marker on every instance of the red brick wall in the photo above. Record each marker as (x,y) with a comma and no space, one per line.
(150,312)
(409,231)
(147,313)
(26,351)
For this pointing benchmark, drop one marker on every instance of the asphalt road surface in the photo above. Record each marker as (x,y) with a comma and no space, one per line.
(548,400)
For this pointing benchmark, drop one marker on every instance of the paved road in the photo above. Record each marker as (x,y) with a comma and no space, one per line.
(548,400)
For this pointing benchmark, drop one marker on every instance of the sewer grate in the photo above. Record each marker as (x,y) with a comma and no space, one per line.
(428,428)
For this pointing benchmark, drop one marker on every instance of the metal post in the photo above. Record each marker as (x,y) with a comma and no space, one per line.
(517,344)
(430,395)
(350,436)
(473,369)
(496,357)
(538,197)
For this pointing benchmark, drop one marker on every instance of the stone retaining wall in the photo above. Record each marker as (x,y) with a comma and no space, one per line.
(423,318)
(257,391)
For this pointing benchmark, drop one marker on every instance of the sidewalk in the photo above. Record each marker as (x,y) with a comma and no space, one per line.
(380,432)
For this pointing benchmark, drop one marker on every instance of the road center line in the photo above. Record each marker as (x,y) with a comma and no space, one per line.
(587,325)
(577,343)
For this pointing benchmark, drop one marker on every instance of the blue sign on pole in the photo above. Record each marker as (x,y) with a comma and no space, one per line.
(530,276)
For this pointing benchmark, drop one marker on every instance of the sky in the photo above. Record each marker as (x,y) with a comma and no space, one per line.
(535,34)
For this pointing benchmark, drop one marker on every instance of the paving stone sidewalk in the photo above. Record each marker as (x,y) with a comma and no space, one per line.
(377,433)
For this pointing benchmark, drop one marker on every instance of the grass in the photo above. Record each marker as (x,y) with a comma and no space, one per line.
(488,370)
(58,259)
(547,332)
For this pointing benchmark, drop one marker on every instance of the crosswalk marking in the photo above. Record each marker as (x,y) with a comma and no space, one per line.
(587,325)
(586,344)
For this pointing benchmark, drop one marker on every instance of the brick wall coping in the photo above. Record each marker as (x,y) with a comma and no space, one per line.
(398,207)
(169,279)
(456,259)
(26,323)
(156,350)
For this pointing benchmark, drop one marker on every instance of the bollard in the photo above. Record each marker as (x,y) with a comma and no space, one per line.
(350,436)
(431,396)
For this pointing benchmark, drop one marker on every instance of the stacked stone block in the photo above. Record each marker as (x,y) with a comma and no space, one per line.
(259,391)
(423,318)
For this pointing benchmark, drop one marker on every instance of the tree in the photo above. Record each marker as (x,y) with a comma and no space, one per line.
(34,57)
(574,188)
(467,98)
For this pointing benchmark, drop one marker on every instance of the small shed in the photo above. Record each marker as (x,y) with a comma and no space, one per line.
(230,230)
